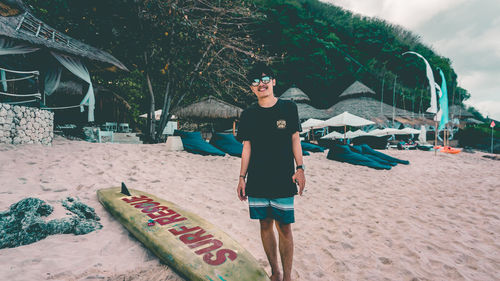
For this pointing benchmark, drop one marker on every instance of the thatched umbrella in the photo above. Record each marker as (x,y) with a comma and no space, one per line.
(295,94)
(209,108)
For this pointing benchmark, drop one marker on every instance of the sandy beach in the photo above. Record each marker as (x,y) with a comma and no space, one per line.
(435,219)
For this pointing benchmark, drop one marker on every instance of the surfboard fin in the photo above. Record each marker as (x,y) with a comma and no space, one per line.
(125,190)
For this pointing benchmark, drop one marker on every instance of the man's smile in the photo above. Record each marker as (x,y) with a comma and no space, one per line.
(262,88)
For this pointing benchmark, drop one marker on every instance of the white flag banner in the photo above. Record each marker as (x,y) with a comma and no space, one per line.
(430,77)
(437,117)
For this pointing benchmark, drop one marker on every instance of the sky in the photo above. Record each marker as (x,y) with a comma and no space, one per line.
(465,31)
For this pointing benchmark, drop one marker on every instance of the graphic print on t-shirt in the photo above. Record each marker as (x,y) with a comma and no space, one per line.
(281,124)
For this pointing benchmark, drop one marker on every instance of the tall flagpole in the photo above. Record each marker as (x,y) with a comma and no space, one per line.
(382,100)
(394,100)
(492,137)
(435,136)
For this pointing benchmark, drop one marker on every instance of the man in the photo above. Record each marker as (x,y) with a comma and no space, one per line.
(269,130)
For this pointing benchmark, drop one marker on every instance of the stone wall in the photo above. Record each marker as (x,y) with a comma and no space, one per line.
(20,125)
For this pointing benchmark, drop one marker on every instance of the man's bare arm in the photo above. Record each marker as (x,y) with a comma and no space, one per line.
(245,159)
(299,176)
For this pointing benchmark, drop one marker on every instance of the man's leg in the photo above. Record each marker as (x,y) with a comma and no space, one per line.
(286,249)
(269,243)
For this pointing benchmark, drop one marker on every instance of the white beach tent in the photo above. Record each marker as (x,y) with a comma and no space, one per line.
(383,132)
(333,136)
(408,131)
(312,123)
(422,138)
(346,119)
(348,135)
(392,131)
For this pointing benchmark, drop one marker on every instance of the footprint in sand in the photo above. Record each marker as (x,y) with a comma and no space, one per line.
(347,246)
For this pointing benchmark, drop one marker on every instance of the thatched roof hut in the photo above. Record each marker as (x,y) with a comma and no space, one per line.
(367,108)
(306,112)
(358,100)
(109,106)
(295,94)
(208,108)
(357,88)
(458,111)
(16,22)
(10,8)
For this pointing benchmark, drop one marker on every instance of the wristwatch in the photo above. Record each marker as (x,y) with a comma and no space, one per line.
(303,167)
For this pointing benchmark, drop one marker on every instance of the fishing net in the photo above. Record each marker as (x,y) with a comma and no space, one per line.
(24,222)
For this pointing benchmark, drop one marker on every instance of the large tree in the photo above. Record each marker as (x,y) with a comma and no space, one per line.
(183,49)
(198,46)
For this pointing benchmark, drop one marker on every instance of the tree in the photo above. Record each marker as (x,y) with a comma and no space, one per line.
(181,47)
(194,46)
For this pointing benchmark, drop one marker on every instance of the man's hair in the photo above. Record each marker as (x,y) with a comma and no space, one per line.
(258,69)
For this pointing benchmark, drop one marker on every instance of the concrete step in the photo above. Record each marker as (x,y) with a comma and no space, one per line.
(126,138)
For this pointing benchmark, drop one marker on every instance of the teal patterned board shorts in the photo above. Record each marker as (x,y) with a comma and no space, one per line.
(280,209)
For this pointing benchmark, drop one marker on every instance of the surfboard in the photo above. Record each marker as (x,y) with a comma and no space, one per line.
(191,245)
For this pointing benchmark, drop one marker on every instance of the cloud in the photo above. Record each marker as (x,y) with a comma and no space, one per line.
(466,31)
(484,89)
(489,109)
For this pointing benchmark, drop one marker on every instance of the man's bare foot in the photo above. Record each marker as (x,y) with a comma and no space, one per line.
(276,276)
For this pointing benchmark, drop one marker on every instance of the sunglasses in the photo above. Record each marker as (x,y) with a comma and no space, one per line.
(264,79)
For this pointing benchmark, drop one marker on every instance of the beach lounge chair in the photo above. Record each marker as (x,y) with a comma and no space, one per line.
(311,147)
(104,134)
(227,143)
(368,150)
(343,153)
(110,126)
(194,143)
(358,149)
(124,128)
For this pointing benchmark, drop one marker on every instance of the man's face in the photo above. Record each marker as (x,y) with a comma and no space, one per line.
(263,86)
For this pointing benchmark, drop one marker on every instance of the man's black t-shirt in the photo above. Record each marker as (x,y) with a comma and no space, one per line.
(271,165)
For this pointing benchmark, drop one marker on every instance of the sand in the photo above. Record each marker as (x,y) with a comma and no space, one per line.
(435,219)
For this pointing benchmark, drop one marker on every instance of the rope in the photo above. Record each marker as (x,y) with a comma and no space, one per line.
(17,79)
(26,95)
(35,72)
(63,107)
(17,102)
